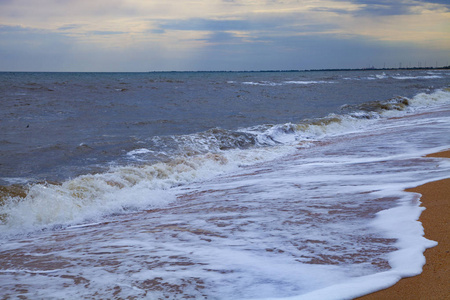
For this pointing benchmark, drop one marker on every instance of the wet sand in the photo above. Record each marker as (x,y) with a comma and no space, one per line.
(434,281)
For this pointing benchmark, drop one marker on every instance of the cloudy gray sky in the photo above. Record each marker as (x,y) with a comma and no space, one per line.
(137,35)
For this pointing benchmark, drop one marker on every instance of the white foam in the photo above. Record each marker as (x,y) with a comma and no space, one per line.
(303,226)
(30,271)
(437,98)
(416,77)
(263,83)
(129,188)
(308,82)
(139,154)
(300,82)
(137,187)
(139,151)
(86,197)
(16,180)
(399,223)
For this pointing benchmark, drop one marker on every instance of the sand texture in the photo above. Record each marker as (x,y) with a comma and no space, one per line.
(434,281)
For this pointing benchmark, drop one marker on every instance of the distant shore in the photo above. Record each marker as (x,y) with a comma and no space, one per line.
(383,69)
(433,282)
(314,70)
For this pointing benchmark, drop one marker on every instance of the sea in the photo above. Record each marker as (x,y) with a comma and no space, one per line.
(216,185)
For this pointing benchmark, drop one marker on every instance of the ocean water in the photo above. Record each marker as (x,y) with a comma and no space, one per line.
(216,185)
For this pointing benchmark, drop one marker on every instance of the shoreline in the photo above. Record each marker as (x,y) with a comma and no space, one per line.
(433,282)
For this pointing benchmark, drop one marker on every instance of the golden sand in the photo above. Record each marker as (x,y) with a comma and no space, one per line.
(434,281)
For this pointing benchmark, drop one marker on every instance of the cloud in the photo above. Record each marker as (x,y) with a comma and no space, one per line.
(309,52)
(11,29)
(393,8)
(442,2)
(377,8)
(105,32)
(199,24)
(24,49)
(387,8)
(338,11)
(69,27)
(253,26)
(222,37)
(217,34)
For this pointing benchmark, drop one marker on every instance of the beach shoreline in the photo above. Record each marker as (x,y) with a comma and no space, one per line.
(433,282)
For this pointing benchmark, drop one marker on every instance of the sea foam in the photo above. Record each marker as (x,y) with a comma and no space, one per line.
(201,156)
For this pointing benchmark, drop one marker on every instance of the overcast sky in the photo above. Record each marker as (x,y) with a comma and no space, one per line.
(153,35)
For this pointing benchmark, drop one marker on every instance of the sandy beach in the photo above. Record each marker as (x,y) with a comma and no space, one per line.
(434,281)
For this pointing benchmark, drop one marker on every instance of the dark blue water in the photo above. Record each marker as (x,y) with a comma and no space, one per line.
(59,125)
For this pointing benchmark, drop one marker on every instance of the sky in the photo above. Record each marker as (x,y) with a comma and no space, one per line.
(231,35)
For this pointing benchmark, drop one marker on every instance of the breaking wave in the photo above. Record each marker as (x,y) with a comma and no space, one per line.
(147,182)
(299,82)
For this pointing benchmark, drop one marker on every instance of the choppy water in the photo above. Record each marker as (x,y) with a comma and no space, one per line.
(59,125)
(216,185)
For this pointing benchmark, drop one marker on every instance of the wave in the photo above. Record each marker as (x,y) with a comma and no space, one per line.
(300,82)
(383,75)
(417,77)
(148,180)
(91,197)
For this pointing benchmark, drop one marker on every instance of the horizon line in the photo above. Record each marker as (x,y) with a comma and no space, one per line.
(244,71)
